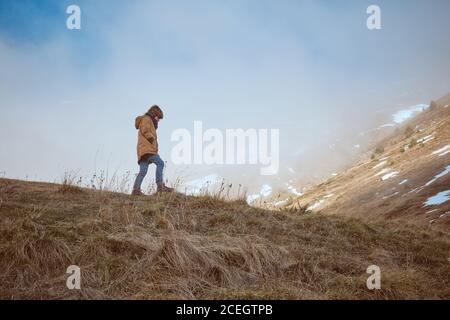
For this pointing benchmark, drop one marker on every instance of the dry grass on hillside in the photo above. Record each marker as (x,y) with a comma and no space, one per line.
(173,246)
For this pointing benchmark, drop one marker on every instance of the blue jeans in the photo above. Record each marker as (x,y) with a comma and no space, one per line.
(143,168)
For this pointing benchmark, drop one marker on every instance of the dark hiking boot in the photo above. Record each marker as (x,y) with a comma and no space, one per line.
(137,192)
(163,188)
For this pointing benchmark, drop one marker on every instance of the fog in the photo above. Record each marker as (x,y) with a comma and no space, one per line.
(311,69)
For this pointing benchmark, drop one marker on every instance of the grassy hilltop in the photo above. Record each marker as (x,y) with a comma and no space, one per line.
(176,246)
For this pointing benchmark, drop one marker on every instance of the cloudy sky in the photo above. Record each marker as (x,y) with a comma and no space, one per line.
(311,69)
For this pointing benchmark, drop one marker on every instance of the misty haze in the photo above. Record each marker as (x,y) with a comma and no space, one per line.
(199,131)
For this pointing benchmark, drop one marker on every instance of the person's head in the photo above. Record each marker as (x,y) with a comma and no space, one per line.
(155,112)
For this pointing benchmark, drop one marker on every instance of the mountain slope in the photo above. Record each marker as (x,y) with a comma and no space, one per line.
(405,177)
(174,246)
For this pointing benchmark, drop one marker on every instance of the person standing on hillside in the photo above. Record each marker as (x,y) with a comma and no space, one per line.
(147,149)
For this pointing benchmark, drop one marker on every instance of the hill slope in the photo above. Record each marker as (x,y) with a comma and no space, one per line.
(402,179)
(173,246)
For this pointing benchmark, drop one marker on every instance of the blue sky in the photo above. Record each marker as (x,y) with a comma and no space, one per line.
(310,68)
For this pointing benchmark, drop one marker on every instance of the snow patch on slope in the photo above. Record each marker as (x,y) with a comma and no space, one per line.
(405,114)
(389,175)
(437,199)
(382,163)
(265,191)
(315,205)
(440,175)
(442,151)
(294,191)
(425,139)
